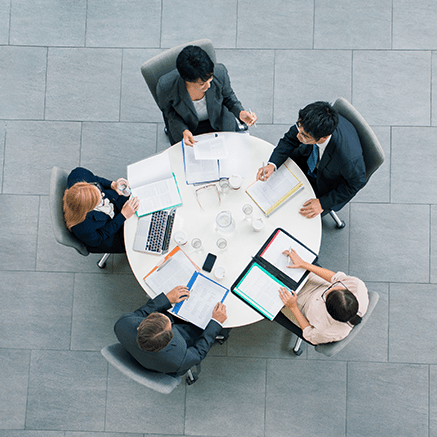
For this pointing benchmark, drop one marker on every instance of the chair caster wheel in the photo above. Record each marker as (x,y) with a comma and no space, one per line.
(341,225)
(298,352)
(101,266)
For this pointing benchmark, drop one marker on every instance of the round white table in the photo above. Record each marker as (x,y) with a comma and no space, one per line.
(243,241)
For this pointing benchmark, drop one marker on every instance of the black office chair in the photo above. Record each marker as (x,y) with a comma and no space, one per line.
(372,150)
(333,348)
(58,185)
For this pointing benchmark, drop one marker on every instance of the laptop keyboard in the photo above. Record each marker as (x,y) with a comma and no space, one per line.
(161,225)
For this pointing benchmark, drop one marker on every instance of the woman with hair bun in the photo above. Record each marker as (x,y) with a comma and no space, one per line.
(328,306)
(95,211)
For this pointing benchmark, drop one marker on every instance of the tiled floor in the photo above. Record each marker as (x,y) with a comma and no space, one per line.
(71,93)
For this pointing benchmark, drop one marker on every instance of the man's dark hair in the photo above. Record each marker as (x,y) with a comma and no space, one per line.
(193,63)
(153,334)
(342,305)
(318,119)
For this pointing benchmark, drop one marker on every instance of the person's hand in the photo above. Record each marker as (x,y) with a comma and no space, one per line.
(288,299)
(130,207)
(311,208)
(298,262)
(188,138)
(268,171)
(248,117)
(178,294)
(219,313)
(120,181)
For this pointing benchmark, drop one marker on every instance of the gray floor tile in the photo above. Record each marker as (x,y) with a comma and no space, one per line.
(120,143)
(36,310)
(371,344)
(334,248)
(433,251)
(99,300)
(392,87)
(22,88)
(5,7)
(291,405)
(67,391)
(412,346)
(133,408)
(137,102)
(377,188)
(433,401)
(365,25)
(52,29)
(381,236)
(135,23)
(434,89)
(178,27)
(271,133)
(387,399)
(30,433)
(33,148)
(230,392)
(18,223)
(14,379)
(83,84)
(104,434)
(297,85)
(413,176)
(54,257)
(245,67)
(414,25)
(268,24)
(2,151)
(264,339)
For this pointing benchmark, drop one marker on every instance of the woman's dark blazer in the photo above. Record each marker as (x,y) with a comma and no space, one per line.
(178,109)
(98,231)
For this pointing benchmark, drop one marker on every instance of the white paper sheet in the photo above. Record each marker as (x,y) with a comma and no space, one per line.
(210,147)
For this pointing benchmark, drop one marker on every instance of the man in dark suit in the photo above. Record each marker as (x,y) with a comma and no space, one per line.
(153,338)
(327,148)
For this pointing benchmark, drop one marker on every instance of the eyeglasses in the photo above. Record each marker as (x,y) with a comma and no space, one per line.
(102,194)
(208,196)
(334,285)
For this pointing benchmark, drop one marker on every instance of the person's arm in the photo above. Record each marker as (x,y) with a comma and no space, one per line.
(165,90)
(354,178)
(299,263)
(229,98)
(289,299)
(287,147)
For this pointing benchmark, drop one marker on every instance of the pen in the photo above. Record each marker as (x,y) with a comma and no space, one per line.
(264,172)
(250,112)
(163,264)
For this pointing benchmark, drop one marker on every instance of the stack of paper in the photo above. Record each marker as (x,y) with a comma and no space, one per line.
(154,183)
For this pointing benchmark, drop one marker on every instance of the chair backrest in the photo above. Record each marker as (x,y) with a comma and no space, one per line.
(330,349)
(372,150)
(165,62)
(58,184)
(121,359)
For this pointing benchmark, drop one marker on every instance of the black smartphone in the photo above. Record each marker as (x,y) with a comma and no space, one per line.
(209,262)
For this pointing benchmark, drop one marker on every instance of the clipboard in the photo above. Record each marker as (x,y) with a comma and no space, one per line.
(269,304)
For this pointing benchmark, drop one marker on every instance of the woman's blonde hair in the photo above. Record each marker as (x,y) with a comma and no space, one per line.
(78,201)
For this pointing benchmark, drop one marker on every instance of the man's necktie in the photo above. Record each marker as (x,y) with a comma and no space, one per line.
(312,161)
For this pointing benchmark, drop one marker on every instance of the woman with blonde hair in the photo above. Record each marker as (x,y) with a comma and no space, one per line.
(95,211)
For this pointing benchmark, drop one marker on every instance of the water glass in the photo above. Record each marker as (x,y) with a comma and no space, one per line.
(224,221)
(124,188)
(247,210)
(196,243)
(224,185)
(222,244)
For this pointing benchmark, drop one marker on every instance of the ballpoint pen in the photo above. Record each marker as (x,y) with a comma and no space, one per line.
(264,172)
(163,264)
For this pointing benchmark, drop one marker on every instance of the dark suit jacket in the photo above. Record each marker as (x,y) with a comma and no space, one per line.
(98,231)
(341,172)
(187,348)
(178,109)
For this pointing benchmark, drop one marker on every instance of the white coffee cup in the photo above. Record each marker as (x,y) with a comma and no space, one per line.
(235,181)
(219,272)
(257,224)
